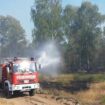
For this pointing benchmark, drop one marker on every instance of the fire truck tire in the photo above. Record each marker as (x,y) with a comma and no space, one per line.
(1,85)
(7,92)
(32,92)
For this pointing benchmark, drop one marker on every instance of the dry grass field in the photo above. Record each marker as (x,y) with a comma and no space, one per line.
(88,89)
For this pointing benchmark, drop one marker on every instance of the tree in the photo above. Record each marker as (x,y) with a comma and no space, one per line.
(100,58)
(88,30)
(81,26)
(69,18)
(46,16)
(13,40)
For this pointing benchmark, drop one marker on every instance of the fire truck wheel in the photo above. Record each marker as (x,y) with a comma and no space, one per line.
(32,92)
(7,93)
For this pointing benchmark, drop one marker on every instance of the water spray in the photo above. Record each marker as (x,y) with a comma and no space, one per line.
(46,60)
(65,40)
(50,58)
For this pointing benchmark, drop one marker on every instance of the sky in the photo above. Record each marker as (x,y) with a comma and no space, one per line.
(20,9)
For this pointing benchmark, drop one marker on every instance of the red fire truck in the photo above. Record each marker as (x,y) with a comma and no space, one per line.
(19,75)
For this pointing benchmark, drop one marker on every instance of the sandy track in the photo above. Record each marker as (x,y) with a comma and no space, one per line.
(37,99)
(27,100)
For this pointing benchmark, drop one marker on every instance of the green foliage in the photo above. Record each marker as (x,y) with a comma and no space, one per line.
(13,41)
(84,33)
(93,77)
(46,16)
(89,19)
(82,26)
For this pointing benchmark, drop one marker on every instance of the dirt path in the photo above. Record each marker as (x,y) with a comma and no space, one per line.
(27,100)
(38,99)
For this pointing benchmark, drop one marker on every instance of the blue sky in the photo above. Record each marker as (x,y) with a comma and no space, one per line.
(20,9)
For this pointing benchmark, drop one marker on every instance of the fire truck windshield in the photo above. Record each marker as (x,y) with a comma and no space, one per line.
(24,67)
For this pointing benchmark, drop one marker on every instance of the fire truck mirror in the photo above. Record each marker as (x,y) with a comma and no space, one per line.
(8,70)
(39,66)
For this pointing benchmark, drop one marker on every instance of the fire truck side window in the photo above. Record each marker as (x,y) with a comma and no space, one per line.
(15,67)
(32,67)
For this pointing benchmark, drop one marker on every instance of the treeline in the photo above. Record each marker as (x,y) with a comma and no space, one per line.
(12,37)
(79,33)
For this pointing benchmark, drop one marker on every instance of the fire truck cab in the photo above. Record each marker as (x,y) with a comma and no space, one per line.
(19,75)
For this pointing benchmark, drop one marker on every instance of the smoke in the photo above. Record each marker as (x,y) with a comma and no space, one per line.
(50,59)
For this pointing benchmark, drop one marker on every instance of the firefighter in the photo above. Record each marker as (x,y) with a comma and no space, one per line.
(32,59)
(15,59)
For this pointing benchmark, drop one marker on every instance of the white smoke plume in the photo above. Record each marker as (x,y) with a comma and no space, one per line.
(50,59)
